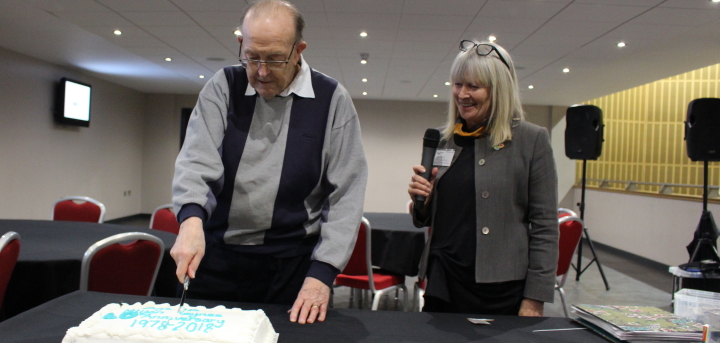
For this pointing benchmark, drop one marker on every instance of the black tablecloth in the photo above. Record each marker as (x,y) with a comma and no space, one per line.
(49,322)
(51,253)
(396,243)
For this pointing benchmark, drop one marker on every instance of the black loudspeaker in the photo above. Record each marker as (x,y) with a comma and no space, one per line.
(702,129)
(584,132)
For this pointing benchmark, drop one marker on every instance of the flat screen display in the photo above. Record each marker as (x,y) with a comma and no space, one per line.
(74,103)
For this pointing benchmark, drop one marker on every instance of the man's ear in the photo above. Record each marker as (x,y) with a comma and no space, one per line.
(240,38)
(300,47)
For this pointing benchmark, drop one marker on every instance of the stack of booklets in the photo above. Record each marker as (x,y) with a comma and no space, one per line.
(638,323)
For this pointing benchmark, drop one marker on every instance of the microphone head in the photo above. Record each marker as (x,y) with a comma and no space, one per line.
(432,138)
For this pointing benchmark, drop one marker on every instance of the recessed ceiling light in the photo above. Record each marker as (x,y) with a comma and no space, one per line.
(117,32)
(364,80)
(363,61)
(237,32)
(714,0)
(566,70)
(435,95)
(202,76)
(531,87)
(168,59)
(363,34)
(364,93)
(447,83)
(622,44)
(492,38)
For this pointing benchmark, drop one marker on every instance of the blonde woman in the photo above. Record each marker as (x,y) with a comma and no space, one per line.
(493,206)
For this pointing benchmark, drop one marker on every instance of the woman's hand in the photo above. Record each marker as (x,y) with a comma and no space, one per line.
(420,186)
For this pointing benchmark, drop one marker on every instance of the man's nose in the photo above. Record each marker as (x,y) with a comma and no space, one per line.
(263,69)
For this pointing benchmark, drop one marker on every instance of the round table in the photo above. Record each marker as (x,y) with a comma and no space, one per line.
(51,253)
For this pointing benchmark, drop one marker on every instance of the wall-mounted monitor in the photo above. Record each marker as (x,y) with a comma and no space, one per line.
(73,103)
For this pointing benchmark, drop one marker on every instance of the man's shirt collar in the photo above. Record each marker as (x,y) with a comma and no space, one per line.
(301,85)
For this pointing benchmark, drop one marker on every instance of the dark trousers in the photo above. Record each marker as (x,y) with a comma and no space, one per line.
(227,275)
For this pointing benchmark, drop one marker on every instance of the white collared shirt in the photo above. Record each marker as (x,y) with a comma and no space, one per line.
(301,85)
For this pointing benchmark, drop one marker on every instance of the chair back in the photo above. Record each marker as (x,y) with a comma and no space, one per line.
(79,209)
(564,212)
(9,252)
(571,229)
(359,263)
(163,219)
(111,267)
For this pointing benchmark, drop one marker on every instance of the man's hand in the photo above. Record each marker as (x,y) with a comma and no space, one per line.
(531,308)
(311,303)
(189,248)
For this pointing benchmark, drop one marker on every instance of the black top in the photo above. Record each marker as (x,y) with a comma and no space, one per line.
(453,241)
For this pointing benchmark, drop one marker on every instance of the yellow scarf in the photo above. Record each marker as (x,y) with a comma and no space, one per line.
(459,131)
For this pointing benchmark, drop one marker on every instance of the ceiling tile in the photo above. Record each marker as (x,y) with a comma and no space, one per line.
(502,26)
(353,48)
(429,37)
(139,5)
(94,19)
(521,9)
(132,36)
(54,6)
(640,3)
(365,6)
(186,31)
(445,7)
(698,4)
(363,21)
(376,34)
(211,5)
(306,6)
(225,18)
(316,19)
(587,29)
(159,18)
(599,13)
(435,22)
(673,16)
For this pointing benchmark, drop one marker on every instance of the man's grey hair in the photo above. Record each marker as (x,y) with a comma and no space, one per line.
(273,7)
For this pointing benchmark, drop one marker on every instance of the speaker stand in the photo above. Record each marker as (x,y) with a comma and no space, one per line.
(706,229)
(578,268)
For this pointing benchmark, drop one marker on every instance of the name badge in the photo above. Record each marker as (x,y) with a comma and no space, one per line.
(443,157)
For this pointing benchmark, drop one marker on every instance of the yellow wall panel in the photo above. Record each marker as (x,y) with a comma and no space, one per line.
(644,134)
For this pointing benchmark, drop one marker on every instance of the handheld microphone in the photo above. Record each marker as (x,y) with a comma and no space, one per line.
(430,144)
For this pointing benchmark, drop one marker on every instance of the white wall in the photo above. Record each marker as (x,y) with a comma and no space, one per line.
(162,144)
(655,228)
(41,161)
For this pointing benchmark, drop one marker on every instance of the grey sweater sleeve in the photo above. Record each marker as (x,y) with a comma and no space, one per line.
(198,167)
(346,173)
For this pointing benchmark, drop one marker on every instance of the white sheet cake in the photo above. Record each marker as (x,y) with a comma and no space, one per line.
(150,322)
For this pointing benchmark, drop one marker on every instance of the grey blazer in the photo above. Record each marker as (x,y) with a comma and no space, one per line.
(516,211)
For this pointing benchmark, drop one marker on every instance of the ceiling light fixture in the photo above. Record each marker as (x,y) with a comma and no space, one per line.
(363,34)
(117,32)
(364,80)
(622,44)
(168,59)
(435,95)
(364,93)
(566,70)
(714,0)
(492,38)
(202,76)
(447,83)
(364,57)
(237,32)
(531,87)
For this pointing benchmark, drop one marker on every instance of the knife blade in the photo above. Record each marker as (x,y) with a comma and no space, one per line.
(185,288)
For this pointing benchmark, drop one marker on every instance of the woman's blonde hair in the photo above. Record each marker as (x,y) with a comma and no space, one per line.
(490,71)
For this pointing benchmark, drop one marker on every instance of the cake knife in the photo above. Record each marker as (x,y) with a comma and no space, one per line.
(185,287)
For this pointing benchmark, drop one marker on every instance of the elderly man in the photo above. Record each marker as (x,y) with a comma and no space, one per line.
(269,189)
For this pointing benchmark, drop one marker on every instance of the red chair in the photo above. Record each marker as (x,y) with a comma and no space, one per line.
(358,273)
(164,219)
(419,293)
(111,267)
(9,252)
(79,209)
(571,229)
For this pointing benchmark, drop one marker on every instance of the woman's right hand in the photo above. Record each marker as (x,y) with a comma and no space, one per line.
(420,186)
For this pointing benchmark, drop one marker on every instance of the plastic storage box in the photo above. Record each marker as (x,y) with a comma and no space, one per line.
(700,306)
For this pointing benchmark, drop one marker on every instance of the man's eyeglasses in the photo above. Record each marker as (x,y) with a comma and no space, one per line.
(482,49)
(272,65)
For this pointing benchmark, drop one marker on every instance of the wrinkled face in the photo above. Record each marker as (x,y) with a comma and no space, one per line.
(270,39)
(473,102)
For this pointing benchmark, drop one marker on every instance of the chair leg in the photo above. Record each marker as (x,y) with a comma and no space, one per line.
(562,297)
(405,298)
(376,300)
(352,297)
